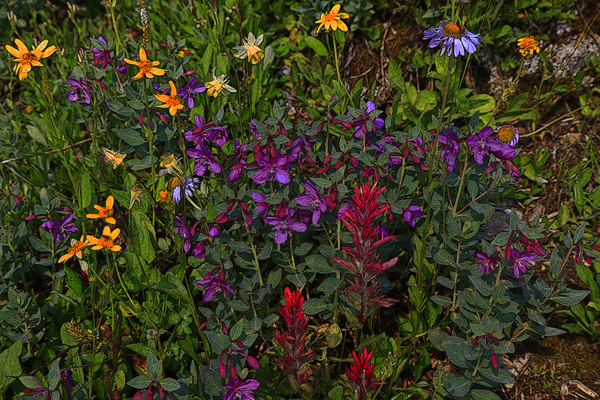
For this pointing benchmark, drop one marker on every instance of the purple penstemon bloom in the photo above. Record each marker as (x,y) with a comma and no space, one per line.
(410,213)
(185,232)
(261,205)
(285,225)
(214,284)
(238,389)
(187,187)
(60,228)
(360,124)
(272,168)
(199,133)
(302,144)
(520,261)
(103,56)
(205,159)
(217,135)
(451,148)
(482,144)
(313,201)
(199,250)
(486,262)
(190,91)
(454,38)
(81,90)
(238,159)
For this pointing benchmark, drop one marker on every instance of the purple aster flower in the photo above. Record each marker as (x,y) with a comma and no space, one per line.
(508,135)
(451,148)
(190,91)
(205,159)
(81,90)
(261,205)
(272,168)
(313,201)
(214,284)
(185,232)
(360,124)
(520,261)
(104,55)
(486,262)
(481,144)
(454,38)
(285,224)
(60,228)
(238,389)
(410,213)
(187,187)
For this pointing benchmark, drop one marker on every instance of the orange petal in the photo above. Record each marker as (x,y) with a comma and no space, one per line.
(128,61)
(49,51)
(21,46)
(342,26)
(113,235)
(173,88)
(65,257)
(116,248)
(110,200)
(143,54)
(110,220)
(335,9)
(13,51)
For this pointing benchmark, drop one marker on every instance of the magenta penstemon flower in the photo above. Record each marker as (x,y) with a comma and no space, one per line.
(102,56)
(520,261)
(185,232)
(261,205)
(190,91)
(451,148)
(284,223)
(454,38)
(239,160)
(238,389)
(81,90)
(214,284)
(361,127)
(486,262)
(313,201)
(482,144)
(60,228)
(410,213)
(271,168)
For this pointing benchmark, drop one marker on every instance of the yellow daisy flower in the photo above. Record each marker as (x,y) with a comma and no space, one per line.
(172,101)
(147,67)
(528,45)
(27,58)
(250,49)
(216,86)
(105,212)
(332,19)
(107,241)
(75,249)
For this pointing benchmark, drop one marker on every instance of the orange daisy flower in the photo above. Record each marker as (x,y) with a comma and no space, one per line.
(147,67)
(172,101)
(107,241)
(75,249)
(27,58)
(332,19)
(105,212)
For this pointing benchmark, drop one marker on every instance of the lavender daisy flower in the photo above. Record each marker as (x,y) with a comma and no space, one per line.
(451,148)
(520,261)
(60,228)
(486,262)
(454,38)
(285,225)
(102,56)
(508,135)
(81,90)
(481,144)
(410,213)
(238,389)
(190,91)
(272,168)
(313,201)
(213,285)
(187,187)
(205,159)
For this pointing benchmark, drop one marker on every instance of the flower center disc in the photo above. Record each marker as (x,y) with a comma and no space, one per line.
(173,101)
(145,66)
(453,30)
(28,58)
(506,133)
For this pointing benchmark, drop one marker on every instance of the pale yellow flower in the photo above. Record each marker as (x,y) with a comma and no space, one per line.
(250,49)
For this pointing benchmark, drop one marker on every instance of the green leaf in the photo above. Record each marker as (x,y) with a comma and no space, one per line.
(480,285)
(86,190)
(10,366)
(38,245)
(73,280)
(269,57)
(441,300)
(54,375)
(314,306)
(481,394)
(442,257)
(328,285)
(154,365)
(187,346)
(445,281)
(579,233)
(236,331)
(170,384)
(303,249)
(570,297)
(36,135)
(119,108)
(140,382)
(274,277)
(322,182)
(239,247)
(497,375)
(320,264)
(316,45)
(483,103)
(458,386)
(454,347)
(131,136)
(219,341)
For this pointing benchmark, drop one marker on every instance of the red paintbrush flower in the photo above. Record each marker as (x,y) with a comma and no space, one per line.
(361,374)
